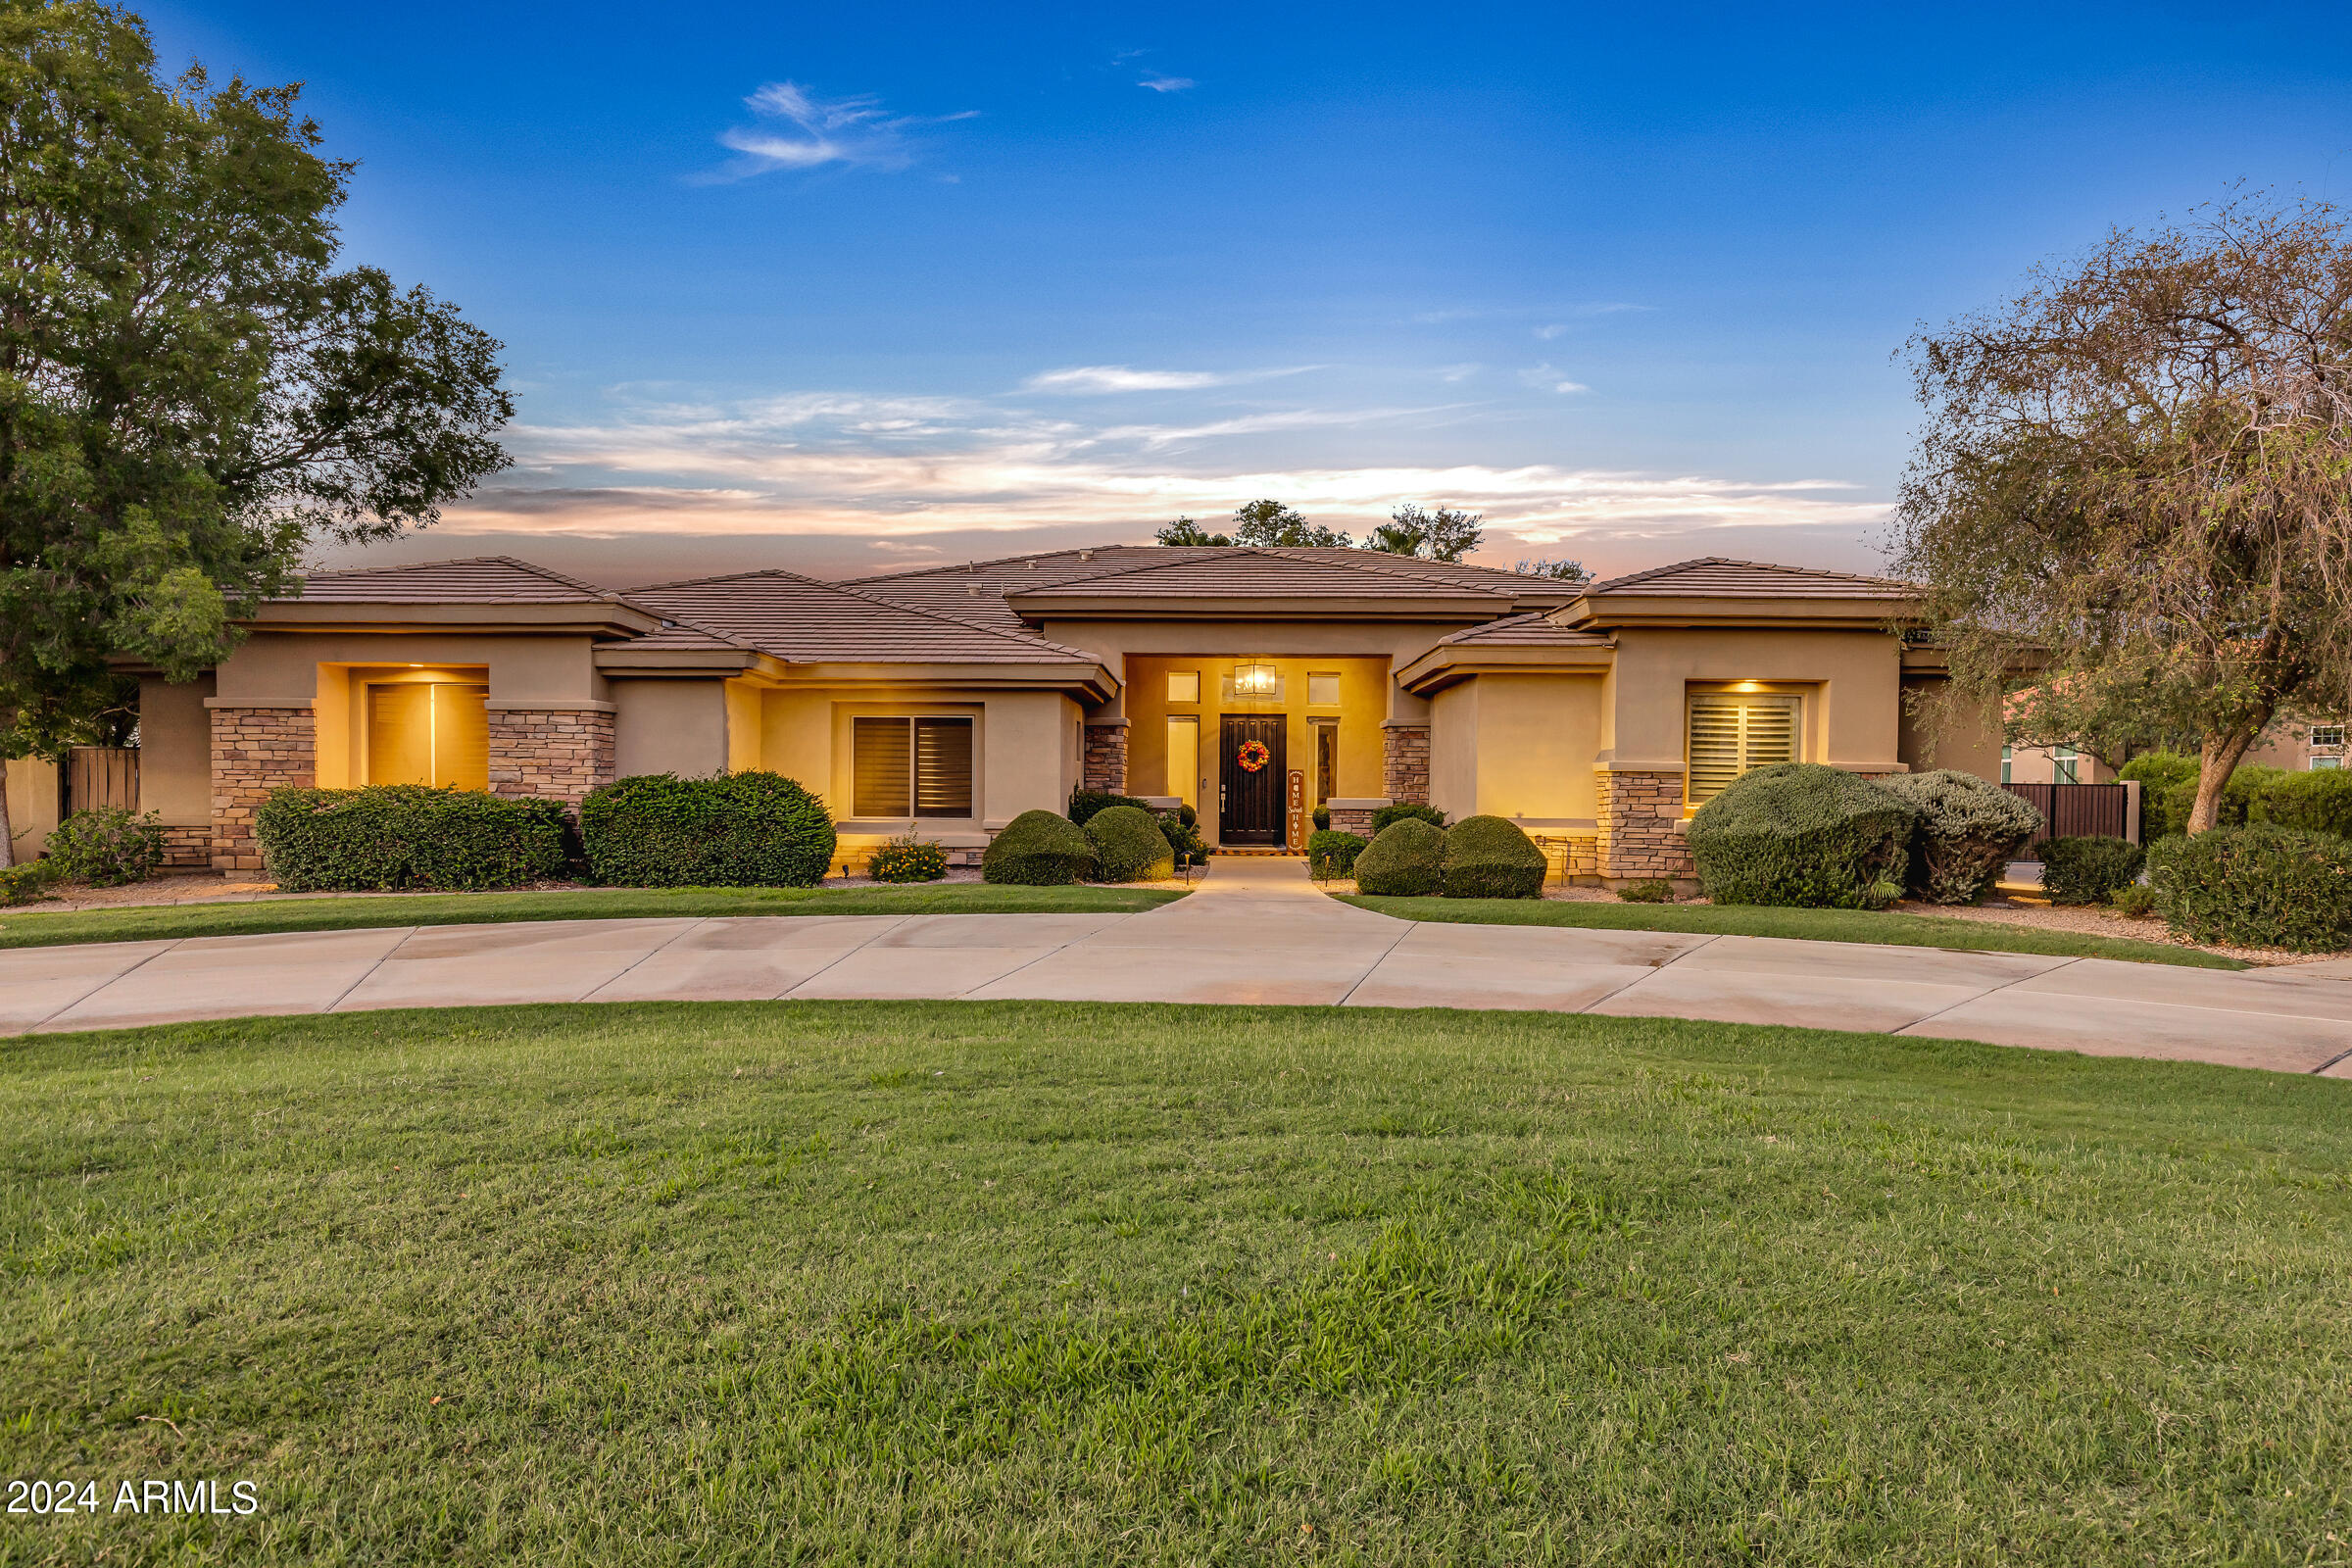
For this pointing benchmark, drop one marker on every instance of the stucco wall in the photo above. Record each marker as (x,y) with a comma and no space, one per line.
(1852,704)
(1517,746)
(1316,642)
(1026,746)
(1932,736)
(284,666)
(669,726)
(175,750)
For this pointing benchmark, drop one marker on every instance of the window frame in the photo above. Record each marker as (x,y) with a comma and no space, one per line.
(1194,675)
(914,796)
(1791,701)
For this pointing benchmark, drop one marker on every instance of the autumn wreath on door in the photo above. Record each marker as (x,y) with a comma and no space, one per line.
(1253,756)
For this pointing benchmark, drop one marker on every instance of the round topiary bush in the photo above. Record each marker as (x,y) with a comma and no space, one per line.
(1967,833)
(1084,804)
(907,859)
(1330,853)
(1129,846)
(1405,859)
(2256,887)
(1800,834)
(2089,868)
(1405,812)
(1489,858)
(738,830)
(407,836)
(1039,850)
(106,846)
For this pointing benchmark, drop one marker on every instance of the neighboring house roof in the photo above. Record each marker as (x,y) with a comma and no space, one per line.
(804,621)
(481,580)
(1721,577)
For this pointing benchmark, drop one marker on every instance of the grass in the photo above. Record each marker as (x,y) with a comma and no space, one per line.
(1815,925)
(1035,1283)
(154,922)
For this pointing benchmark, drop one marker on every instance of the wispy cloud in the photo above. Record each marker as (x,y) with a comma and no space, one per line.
(1549,331)
(801,130)
(1159,83)
(1089,379)
(1549,379)
(1452,373)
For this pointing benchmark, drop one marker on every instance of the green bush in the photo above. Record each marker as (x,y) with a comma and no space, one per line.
(1966,834)
(1800,834)
(1404,859)
(2256,887)
(1330,853)
(2315,802)
(1084,804)
(106,846)
(1405,812)
(1649,890)
(2134,899)
(1490,857)
(2089,868)
(1322,816)
(1129,846)
(738,830)
(408,835)
(904,858)
(2168,784)
(22,884)
(1179,827)
(1039,850)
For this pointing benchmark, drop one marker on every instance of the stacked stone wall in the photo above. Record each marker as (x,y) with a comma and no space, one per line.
(187,846)
(1351,822)
(1405,763)
(1104,765)
(555,754)
(1639,832)
(255,751)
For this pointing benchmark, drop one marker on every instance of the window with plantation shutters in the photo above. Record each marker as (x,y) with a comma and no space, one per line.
(1731,732)
(910,767)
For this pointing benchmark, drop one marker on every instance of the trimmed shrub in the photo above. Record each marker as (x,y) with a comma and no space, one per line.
(1800,834)
(737,830)
(1333,853)
(1129,846)
(1405,812)
(1649,890)
(23,884)
(1039,850)
(106,846)
(1405,859)
(1084,804)
(1966,834)
(2134,899)
(2167,787)
(1322,816)
(1185,843)
(407,836)
(1490,857)
(2089,868)
(2256,887)
(2314,802)
(906,857)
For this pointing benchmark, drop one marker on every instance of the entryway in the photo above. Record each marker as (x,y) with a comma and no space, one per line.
(1250,779)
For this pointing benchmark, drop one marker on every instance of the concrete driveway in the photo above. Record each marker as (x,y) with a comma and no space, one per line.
(1257,932)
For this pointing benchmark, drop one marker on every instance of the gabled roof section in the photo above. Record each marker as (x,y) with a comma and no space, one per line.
(803,621)
(1721,577)
(479,580)
(1532,631)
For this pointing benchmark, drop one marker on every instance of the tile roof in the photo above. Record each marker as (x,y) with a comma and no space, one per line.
(479,580)
(1719,577)
(802,620)
(1531,630)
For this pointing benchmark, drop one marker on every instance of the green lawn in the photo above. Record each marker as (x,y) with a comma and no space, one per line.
(31,928)
(1818,925)
(940,1283)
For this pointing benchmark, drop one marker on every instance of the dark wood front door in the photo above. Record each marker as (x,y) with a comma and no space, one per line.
(1251,813)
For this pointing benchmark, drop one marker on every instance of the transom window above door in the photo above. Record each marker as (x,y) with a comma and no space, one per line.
(912,767)
(1730,732)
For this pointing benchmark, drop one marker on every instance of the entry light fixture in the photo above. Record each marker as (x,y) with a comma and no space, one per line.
(1254,679)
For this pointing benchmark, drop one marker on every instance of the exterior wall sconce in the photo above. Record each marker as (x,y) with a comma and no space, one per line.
(1255,680)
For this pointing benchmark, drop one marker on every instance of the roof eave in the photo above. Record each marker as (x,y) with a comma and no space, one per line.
(1442,667)
(1599,610)
(1094,680)
(1040,608)
(604,618)
(626,659)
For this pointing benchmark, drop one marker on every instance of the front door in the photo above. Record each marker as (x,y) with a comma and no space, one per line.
(1253,784)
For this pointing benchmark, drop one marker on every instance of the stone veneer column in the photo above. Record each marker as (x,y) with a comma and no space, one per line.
(1351,822)
(1105,766)
(549,753)
(1405,763)
(255,751)
(1640,826)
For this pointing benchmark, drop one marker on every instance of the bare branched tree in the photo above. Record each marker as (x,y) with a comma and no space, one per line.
(2138,477)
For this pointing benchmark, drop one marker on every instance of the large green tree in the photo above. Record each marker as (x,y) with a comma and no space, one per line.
(1433,533)
(191,392)
(2136,482)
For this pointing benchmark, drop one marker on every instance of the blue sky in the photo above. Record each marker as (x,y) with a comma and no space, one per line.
(848,288)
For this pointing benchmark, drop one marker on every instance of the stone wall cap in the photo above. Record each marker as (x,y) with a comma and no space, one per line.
(262,701)
(552,705)
(1358,804)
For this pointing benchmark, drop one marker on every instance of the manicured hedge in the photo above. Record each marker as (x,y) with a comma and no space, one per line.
(408,835)
(1084,804)
(1129,846)
(1404,859)
(2167,787)
(1405,812)
(1490,857)
(2256,887)
(1330,853)
(2318,801)
(2089,868)
(106,846)
(1966,834)
(1039,850)
(1800,834)
(738,830)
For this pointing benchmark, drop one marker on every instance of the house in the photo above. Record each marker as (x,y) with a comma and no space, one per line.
(1255,684)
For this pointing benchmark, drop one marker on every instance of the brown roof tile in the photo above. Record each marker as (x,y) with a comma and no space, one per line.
(1719,577)
(802,620)
(1532,631)
(481,580)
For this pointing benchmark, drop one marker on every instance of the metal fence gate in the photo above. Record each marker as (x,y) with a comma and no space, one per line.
(2072,811)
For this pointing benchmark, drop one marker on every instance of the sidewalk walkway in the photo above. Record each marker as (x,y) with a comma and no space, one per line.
(1256,933)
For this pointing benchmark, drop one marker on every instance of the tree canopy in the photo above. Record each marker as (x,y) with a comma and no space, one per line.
(2135,480)
(190,391)
(1437,533)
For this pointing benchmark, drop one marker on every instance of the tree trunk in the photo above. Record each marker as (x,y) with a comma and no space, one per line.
(2221,756)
